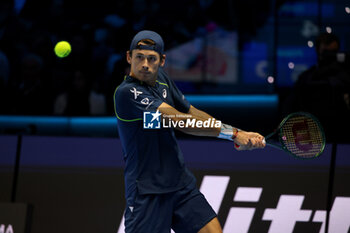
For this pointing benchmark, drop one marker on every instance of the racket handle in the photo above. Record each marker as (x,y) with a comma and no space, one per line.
(272,145)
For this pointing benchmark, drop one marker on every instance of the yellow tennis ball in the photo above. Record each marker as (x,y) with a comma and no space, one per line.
(62,49)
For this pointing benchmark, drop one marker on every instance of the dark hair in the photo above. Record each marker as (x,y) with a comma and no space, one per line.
(147,42)
(327,39)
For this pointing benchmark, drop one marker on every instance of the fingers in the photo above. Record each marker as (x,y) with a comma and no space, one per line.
(257,141)
(259,136)
(250,141)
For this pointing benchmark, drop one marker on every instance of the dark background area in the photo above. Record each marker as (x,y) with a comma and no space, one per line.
(75,184)
(260,47)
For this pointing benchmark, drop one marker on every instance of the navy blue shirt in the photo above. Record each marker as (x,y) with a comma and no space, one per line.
(154,161)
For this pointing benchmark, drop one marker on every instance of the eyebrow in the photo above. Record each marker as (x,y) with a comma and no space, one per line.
(151,55)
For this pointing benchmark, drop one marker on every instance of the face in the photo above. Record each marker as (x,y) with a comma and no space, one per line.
(326,53)
(144,65)
(332,47)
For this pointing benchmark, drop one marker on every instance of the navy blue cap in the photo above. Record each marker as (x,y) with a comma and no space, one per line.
(158,46)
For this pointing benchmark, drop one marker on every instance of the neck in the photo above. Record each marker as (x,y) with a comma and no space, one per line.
(150,82)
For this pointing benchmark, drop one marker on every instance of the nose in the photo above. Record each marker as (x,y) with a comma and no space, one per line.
(145,65)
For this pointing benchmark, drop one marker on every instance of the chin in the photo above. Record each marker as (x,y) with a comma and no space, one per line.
(147,77)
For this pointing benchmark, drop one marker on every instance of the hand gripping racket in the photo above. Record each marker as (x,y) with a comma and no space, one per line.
(300,134)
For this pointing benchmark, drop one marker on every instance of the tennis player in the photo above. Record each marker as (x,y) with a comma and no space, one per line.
(161,193)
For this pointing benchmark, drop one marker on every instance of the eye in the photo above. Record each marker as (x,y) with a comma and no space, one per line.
(138,56)
(152,59)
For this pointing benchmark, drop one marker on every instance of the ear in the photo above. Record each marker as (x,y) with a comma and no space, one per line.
(128,57)
(162,63)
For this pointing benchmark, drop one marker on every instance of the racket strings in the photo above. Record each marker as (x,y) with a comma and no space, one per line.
(302,136)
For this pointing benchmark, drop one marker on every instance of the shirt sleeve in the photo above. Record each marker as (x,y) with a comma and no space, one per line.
(131,102)
(180,101)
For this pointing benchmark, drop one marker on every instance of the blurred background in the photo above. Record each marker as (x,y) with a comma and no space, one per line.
(246,62)
(228,47)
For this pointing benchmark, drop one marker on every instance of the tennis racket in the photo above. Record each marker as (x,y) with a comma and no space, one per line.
(300,134)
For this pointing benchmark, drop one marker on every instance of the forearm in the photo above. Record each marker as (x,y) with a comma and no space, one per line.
(194,122)
(248,139)
(213,128)
(212,131)
(196,112)
(209,132)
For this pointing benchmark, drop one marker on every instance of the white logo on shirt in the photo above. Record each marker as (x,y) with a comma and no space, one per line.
(136,92)
(149,104)
(145,101)
(164,93)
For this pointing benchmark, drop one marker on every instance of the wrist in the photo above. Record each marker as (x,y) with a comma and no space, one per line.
(228,132)
(235,133)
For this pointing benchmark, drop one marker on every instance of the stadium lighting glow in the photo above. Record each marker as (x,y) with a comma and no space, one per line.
(270,79)
(347,10)
(291,65)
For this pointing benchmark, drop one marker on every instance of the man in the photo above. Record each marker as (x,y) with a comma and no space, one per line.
(324,88)
(161,192)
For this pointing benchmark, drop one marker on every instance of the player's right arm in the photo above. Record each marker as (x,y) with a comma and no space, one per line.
(177,116)
(249,140)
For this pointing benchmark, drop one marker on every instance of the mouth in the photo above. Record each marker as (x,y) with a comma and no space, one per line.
(145,72)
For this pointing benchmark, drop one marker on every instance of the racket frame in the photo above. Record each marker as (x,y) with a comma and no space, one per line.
(282,146)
